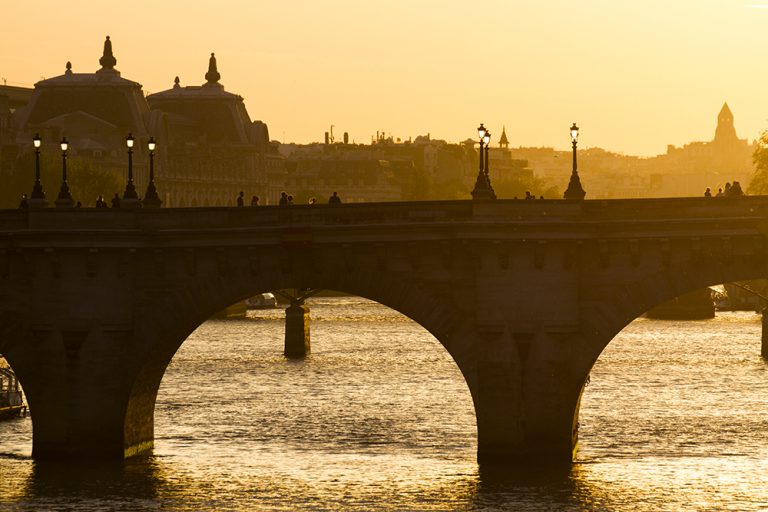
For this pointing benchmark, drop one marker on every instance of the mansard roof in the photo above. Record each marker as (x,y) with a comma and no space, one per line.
(220,115)
(103,94)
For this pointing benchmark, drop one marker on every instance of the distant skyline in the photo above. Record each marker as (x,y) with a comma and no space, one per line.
(634,76)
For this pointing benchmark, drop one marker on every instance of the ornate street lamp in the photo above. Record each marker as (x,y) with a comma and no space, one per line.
(482,190)
(37,198)
(574,190)
(130,197)
(487,140)
(64,200)
(151,199)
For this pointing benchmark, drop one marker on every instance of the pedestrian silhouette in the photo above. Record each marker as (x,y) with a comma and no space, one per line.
(116,201)
(255,201)
(708,192)
(290,199)
(24,203)
(283,199)
(78,205)
(334,199)
(736,189)
(240,199)
(100,202)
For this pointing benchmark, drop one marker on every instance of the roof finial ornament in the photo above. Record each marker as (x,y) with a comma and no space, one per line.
(69,68)
(213,74)
(108,60)
(176,83)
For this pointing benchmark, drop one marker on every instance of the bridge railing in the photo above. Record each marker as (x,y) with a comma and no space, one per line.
(537,211)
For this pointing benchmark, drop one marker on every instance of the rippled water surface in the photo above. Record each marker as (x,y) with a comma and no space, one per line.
(379,418)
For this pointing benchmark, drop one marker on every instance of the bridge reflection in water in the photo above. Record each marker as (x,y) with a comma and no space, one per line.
(524,296)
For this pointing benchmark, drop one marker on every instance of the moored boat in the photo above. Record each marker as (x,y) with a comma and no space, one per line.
(261,301)
(11,397)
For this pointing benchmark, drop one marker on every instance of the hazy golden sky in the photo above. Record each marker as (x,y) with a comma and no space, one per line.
(635,76)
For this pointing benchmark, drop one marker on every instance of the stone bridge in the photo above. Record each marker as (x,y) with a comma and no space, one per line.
(524,295)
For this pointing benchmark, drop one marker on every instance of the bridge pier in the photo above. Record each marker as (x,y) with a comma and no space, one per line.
(526,391)
(79,391)
(540,430)
(297,339)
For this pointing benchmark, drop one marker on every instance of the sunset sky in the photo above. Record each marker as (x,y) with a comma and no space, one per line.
(635,76)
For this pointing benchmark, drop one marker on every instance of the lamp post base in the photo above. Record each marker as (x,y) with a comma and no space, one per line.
(64,202)
(151,199)
(37,202)
(151,202)
(130,203)
(574,190)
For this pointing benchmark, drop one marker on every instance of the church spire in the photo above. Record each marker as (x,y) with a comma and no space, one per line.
(503,141)
(107,60)
(725,133)
(213,74)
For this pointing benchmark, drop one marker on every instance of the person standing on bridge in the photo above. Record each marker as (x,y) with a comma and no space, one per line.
(116,201)
(240,201)
(255,201)
(334,199)
(708,192)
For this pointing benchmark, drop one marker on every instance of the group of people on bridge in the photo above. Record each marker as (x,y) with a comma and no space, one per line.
(731,190)
(285,199)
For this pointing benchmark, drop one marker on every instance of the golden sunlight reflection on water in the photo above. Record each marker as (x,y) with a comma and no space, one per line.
(379,418)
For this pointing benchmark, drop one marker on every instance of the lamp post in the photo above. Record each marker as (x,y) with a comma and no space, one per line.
(574,190)
(482,190)
(64,199)
(151,199)
(130,197)
(487,140)
(37,198)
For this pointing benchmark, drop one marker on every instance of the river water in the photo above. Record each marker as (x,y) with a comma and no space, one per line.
(379,418)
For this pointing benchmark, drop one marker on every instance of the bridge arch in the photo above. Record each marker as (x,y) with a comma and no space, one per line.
(203,297)
(602,322)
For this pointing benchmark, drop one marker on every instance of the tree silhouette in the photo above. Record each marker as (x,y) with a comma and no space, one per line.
(85,177)
(759,182)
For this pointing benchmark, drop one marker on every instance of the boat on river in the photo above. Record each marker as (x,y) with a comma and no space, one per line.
(746,295)
(261,301)
(11,397)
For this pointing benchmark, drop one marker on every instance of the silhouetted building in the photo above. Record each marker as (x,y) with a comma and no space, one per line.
(682,171)
(385,170)
(213,144)
(208,149)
